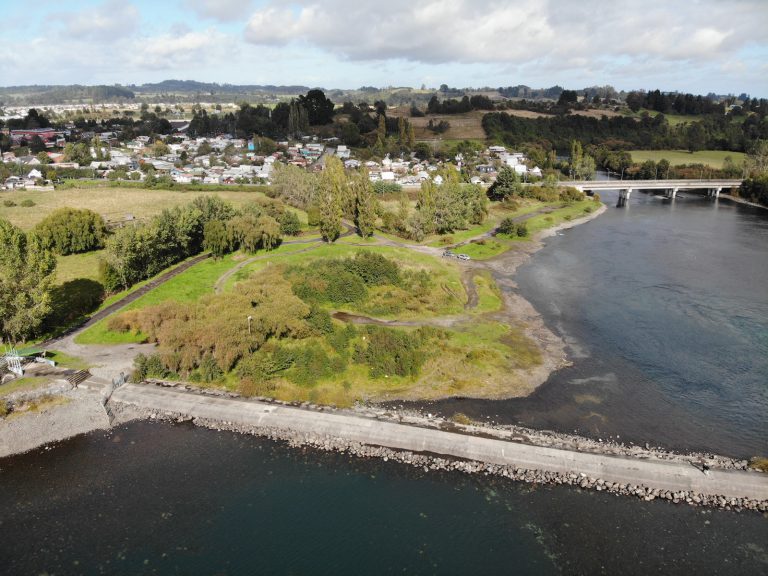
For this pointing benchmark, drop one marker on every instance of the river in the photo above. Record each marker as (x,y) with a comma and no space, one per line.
(152,498)
(664,305)
(665,311)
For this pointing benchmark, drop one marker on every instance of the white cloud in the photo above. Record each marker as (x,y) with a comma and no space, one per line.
(222,10)
(109,21)
(489,31)
(192,49)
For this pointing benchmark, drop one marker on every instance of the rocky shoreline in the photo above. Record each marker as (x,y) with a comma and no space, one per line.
(430,462)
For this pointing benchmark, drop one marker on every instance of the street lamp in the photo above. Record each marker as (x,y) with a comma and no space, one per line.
(249,323)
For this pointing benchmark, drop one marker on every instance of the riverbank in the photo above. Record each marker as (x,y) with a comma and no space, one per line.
(520,311)
(54,413)
(436,444)
(742,201)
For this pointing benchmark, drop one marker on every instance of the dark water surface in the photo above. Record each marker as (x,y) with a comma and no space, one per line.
(665,307)
(154,498)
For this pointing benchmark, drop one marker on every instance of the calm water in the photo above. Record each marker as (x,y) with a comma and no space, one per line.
(665,307)
(162,499)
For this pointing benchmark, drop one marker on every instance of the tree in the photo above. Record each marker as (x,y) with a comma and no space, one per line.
(71,231)
(36,144)
(160,148)
(319,108)
(330,192)
(216,239)
(365,203)
(294,185)
(26,276)
(507,184)
(757,159)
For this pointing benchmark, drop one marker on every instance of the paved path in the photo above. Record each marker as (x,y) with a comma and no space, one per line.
(663,475)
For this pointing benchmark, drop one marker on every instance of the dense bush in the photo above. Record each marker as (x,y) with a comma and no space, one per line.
(390,352)
(381,187)
(71,231)
(218,324)
(27,203)
(570,194)
(373,269)
(343,281)
(290,225)
(509,227)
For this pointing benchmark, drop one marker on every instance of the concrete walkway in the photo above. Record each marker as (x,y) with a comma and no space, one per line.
(659,474)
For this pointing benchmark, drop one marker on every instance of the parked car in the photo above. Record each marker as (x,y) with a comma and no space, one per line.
(448,254)
(463,256)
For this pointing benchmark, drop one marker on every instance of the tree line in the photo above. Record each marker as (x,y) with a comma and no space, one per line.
(620,132)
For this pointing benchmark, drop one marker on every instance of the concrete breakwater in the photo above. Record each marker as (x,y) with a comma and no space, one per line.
(329,429)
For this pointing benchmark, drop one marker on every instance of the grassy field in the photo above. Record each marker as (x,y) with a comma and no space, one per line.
(77,266)
(112,203)
(713,158)
(560,215)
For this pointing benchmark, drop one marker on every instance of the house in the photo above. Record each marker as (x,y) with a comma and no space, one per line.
(342,152)
(34,174)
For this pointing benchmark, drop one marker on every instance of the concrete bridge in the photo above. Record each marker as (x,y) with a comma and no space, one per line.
(713,187)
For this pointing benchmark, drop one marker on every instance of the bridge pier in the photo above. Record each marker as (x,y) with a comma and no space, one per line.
(624,197)
(671,193)
(714,192)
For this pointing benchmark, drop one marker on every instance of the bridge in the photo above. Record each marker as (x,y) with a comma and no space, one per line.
(670,187)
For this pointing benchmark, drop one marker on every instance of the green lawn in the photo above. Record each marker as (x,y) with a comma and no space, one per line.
(25,384)
(558,216)
(77,266)
(484,249)
(713,158)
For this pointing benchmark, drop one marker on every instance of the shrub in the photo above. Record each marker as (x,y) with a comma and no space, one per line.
(9,203)
(313,216)
(570,195)
(209,370)
(461,418)
(4,409)
(312,364)
(381,187)
(290,225)
(374,269)
(340,338)
(27,203)
(509,227)
(393,353)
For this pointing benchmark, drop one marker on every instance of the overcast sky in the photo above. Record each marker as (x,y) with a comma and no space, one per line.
(697,46)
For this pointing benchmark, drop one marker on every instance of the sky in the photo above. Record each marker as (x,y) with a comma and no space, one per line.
(697,46)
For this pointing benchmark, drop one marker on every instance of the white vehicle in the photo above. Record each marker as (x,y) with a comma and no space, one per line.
(463,257)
